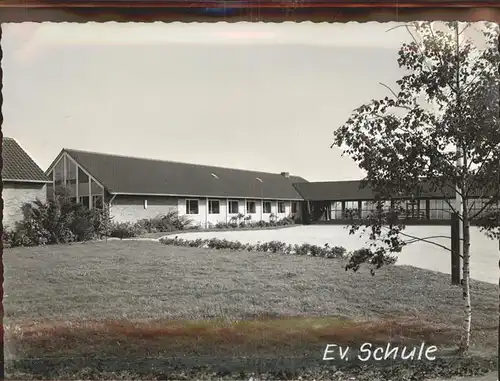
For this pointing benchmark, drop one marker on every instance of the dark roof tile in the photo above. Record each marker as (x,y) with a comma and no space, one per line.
(349,190)
(18,165)
(132,175)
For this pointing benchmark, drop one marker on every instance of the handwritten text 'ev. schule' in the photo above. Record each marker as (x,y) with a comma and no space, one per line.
(368,351)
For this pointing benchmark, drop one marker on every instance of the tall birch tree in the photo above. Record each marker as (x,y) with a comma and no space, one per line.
(443,111)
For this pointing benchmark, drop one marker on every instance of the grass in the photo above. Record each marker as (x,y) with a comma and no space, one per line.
(484,251)
(140,299)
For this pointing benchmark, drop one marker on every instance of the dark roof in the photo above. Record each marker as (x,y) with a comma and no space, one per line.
(333,190)
(18,165)
(348,190)
(132,175)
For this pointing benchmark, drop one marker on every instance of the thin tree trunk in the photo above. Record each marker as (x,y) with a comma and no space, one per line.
(466,281)
(462,164)
(466,289)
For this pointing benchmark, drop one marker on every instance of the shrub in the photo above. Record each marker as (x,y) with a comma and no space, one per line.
(273,218)
(45,223)
(267,247)
(248,223)
(17,237)
(56,221)
(224,225)
(165,223)
(126,230)
(89,224)
(286,221)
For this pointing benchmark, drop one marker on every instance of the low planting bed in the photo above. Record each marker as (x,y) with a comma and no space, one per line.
(277,247)
(196,229)
(267,247)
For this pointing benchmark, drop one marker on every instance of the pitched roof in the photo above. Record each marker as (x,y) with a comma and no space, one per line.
(349,190)
(18,165)
(132,175)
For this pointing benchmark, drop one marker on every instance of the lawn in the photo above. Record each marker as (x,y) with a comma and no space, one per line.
(484,251)
(123,300)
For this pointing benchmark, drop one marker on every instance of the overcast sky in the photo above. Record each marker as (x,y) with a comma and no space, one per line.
(265,97)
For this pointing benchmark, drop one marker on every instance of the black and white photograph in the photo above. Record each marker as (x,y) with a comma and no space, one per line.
(251,201)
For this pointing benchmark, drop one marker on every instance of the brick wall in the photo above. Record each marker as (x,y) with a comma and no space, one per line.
(131,208)
(15,195)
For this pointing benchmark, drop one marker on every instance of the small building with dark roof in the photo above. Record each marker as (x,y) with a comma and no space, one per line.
(23,181)
(138,188)
(340,202)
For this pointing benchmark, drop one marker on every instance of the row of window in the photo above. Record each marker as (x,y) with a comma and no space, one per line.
(192,207)
(439,209)
(72,180)
(97,201)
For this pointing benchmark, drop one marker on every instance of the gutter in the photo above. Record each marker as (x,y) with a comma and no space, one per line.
(111,200)
(26,181)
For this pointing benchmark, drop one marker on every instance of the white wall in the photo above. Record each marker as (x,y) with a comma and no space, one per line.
(198,219)
(15,195)
(221,217)
(203,217)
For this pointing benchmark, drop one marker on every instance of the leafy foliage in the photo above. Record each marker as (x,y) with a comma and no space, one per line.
(232,224)
(57,221)
(404,142)
(266,247)
(171,221)
(126,230)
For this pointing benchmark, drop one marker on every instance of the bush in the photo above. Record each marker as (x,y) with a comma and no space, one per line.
(88,224)
(56,221)
(165,223)
(225,225)
(247,223)
(126,230)
(14,238)
(286,221)
(266,247)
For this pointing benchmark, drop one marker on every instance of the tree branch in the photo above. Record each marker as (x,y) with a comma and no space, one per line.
(425,240)
(398,26)
(492,200)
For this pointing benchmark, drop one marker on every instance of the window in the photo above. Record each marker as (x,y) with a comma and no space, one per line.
(294,207)
(281,207)
(213,207)
(411,209)
(84,200)
(251,207)
(233,207)
(351,210)
(97,202)
(480,207)
(191,206)
(439,210)
(266,207)
(336,210)
(368,209)
(83,183)
(59,177)
(71,170)
(145,204)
